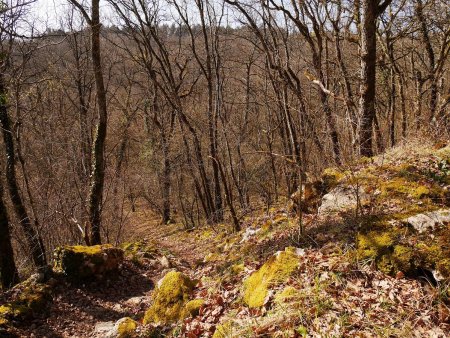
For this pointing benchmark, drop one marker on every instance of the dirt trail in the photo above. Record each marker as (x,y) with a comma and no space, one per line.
(77,311)
(173,237)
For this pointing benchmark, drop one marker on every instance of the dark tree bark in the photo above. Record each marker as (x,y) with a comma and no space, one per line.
(8,271)
(371,10)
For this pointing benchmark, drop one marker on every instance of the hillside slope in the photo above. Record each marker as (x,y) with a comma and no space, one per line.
(373,261)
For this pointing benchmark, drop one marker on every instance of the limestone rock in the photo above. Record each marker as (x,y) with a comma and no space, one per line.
(429,220)
(342,198)
(164,261)
(102,329)
(83,262)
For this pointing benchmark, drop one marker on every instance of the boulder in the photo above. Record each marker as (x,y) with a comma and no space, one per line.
(277,269)
(83,262)
(342,198)
(170,299)
(428,221)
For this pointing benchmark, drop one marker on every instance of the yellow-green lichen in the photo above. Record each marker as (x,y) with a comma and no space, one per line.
(224,330)
(278,268)
(169,299)
(193,306)
(126,328)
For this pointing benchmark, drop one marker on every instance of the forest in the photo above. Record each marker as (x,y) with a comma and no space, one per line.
(224,168)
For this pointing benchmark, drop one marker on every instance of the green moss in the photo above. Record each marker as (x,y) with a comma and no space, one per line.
(126,328)
(136,250)
(169,299)
(33,298)
(435,256)
(81,262)
(193,306)
(278,268)
(374,244)
(224,330)
(331,177)
(403,258)
(237,268)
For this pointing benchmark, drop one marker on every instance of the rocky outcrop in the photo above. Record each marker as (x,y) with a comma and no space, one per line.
(83,262)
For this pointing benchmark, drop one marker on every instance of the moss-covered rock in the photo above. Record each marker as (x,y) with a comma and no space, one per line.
(193,306)
(125,328)
(83,262)
(436,258)
(391,255)
(32,298)
(374,244)
(277,269)
(169,299)
(382,247)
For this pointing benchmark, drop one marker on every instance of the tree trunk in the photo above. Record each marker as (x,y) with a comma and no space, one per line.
(34,240)
(8,271)
(98,157)
(166,217)
(367,86)
(431,57)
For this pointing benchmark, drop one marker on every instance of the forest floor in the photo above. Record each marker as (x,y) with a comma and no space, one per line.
(332,292)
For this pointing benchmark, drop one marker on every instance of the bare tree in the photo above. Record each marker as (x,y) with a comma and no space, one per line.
(97,178)
(11,15)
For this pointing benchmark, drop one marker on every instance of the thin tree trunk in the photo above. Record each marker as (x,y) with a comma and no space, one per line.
(166,217)
(34,240)
(98,168)
(431,57)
